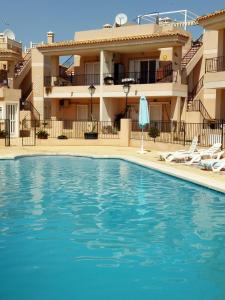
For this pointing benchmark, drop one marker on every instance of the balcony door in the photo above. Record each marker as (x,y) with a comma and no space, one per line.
(143,70)
(92,73)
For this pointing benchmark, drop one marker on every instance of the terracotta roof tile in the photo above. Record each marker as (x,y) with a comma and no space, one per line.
(111,40)
(211,15)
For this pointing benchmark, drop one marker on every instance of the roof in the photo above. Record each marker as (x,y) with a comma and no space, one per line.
(211,15)
(117,39)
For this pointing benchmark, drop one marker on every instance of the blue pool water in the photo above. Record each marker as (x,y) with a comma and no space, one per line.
(101,229)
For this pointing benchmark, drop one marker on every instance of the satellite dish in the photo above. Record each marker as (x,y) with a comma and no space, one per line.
(10,34)
(121,19)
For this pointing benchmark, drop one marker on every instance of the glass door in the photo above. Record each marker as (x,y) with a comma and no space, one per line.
(11,115)
(92,73)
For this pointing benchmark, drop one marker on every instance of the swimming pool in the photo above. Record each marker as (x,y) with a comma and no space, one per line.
(81,228)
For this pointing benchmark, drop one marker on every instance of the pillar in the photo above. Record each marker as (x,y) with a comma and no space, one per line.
(125,132)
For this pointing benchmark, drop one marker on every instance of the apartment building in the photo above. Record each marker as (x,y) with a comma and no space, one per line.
(122,63)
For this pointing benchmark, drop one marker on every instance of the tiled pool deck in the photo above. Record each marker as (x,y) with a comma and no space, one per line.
(209,179)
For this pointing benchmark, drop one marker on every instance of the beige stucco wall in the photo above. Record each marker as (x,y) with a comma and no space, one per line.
(122,31)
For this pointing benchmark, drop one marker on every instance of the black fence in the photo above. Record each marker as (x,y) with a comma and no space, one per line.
(32,130)
(215,64)
(5,132)
(159,76)
(183,133)
(72,80)
(144,77)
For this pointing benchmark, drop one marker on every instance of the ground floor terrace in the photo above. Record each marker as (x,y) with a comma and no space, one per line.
(111,108)
(150,159)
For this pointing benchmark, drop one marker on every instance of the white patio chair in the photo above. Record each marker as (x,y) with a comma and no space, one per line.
(192,149)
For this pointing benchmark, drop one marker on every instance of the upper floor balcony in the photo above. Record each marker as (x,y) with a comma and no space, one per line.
(215,72)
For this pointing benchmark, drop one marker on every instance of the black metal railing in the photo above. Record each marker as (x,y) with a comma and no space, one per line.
(5,131)
(160,76)
(196,89)
(69,129)
(215,64)
(28,106)
(173,132)
(197,105)
(72,80)
(68,62)
(21,64)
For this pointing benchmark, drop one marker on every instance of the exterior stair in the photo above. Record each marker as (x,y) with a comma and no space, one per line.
(22,68)
(196,45)
(198,106)
(64,68)
(27,109)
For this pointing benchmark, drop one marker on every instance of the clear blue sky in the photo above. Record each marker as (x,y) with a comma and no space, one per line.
(30,20)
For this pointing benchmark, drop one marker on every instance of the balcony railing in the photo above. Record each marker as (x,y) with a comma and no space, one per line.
(164,75)
(215,64)
(141,77)
(72,80)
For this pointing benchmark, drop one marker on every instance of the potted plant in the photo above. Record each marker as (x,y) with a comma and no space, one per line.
(154,132)
(2,134)
(42,134)
(62,137)
(92,134)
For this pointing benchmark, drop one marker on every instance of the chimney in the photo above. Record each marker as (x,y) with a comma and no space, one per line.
(50,37)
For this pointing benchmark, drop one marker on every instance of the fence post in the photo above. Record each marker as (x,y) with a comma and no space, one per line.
(184,132)
(35,124)
(222,132)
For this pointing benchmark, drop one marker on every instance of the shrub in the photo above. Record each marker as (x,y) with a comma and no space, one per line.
(42,134)
(2,134)
(154,132)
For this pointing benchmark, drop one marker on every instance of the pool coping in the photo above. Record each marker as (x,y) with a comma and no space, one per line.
(165,168)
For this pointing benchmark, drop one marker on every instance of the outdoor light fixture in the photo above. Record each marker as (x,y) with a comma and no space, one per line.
(126,89)
(91,90)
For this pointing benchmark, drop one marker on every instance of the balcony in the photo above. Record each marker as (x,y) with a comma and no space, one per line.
(215,72)
(162,82)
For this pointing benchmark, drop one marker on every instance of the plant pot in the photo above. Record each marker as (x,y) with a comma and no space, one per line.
(91,135)
(42,137)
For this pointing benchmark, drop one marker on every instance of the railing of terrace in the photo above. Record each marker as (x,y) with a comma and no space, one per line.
(72,80)
(5,131)
(173,132)
(215,64)
(69,129)
(160,76)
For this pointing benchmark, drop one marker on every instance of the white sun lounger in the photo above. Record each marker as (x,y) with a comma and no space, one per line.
(212,152)
(196,156)
(192,149)
(219,165)
(206,164)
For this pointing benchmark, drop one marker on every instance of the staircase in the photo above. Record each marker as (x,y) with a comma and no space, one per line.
(196,45)
(22,68)
(27,107)
(197,88)
(65,66)
(198,106)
